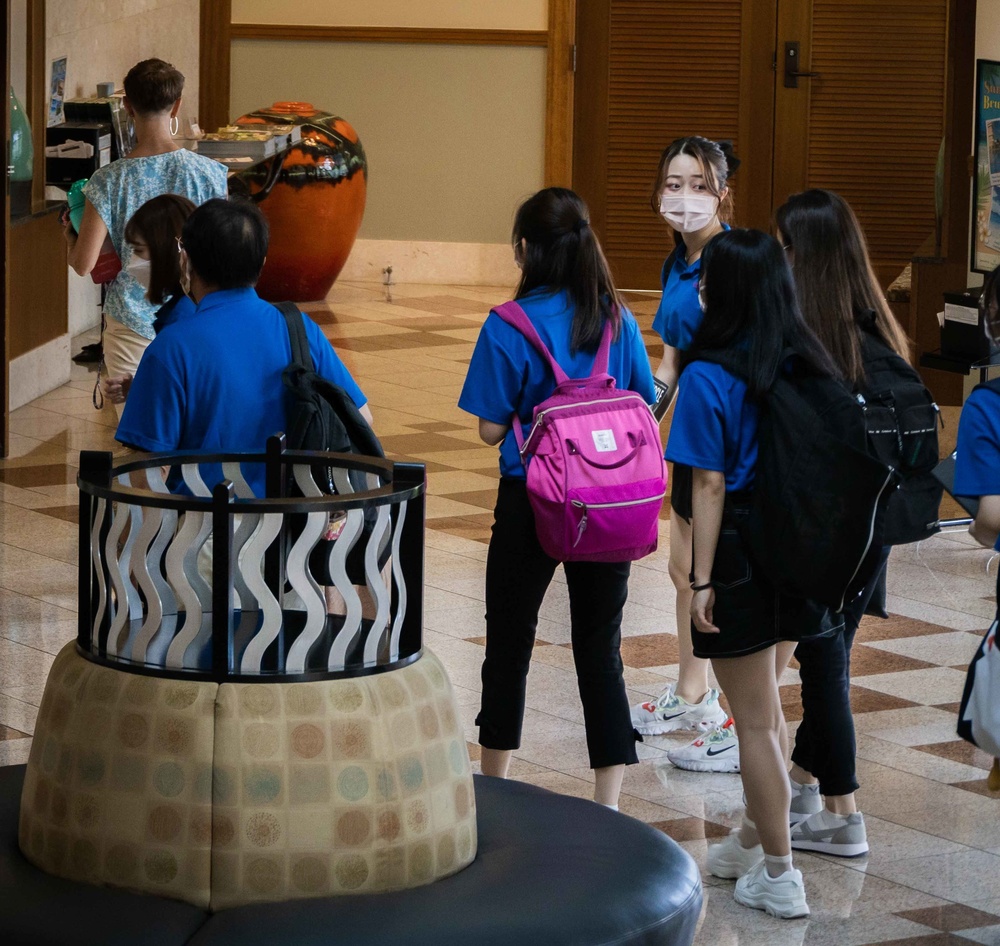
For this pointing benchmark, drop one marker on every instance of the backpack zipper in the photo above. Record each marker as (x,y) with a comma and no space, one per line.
(871,535)
(540,418)
(586,507)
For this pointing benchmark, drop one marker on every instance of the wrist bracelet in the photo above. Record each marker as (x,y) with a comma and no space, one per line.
(704,587)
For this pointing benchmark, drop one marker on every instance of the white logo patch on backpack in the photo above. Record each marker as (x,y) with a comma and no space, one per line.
(604,441)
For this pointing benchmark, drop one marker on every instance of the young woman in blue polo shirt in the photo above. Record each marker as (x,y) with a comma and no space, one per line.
(740,622)
(977,463)
(692,194)
(567,292)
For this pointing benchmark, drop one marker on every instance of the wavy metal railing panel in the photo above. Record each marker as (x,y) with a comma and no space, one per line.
(400,579)
(376,587)
(148,568)
(251,565)
(100,508)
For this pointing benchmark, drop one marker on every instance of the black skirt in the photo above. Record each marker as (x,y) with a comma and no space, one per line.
(750,614)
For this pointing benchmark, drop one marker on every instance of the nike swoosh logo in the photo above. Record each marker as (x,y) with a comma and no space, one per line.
(681,713)
(719,751)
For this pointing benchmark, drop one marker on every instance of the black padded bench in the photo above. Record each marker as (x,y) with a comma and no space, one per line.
(551,871)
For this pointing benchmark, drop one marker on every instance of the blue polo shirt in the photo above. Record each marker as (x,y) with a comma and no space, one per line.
(977,463)
(714,426)
(506,374)
(679,314)
(212,381)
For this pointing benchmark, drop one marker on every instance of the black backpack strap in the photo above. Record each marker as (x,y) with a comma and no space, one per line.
(296,334)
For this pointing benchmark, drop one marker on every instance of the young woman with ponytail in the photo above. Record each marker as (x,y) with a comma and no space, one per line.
(692,194)
(567,292)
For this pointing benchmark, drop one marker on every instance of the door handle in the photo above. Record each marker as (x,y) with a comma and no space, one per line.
(792,74)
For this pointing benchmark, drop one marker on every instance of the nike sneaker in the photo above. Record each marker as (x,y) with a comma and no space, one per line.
(719,751)
(847,838)
(672,713)
(783,897)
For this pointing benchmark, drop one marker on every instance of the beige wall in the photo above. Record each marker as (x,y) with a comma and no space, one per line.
(102,40)
(455,14)
(455,135)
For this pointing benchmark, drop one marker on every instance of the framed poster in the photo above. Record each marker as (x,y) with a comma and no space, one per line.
(57,91)
(986,180)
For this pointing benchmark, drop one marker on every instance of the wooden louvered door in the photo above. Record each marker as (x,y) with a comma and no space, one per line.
(869,125)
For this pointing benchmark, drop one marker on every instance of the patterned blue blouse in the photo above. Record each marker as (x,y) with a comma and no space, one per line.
(119,190)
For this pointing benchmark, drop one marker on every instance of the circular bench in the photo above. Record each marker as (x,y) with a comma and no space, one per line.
(550,871)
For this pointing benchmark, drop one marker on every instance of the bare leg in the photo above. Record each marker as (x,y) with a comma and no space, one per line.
(692,677)
(783,652)
(751,684)
(495,762)
(608,784)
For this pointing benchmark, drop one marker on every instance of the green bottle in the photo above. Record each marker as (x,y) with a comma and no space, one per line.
(22,152)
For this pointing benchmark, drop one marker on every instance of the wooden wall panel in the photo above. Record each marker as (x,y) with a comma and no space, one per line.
(877,116)
(669,76)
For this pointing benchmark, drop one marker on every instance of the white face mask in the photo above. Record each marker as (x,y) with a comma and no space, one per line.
(140,270)
(688,213)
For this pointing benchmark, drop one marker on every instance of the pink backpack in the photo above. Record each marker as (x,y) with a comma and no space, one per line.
(596,476)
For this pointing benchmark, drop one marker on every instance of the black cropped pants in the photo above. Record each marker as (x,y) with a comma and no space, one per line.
(518,573)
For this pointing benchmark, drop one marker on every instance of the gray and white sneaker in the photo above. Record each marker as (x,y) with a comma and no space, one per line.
(849,839)
(806,801)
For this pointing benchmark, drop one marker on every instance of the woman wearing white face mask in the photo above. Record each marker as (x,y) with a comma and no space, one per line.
(692,195)
(156,165)
(152,233)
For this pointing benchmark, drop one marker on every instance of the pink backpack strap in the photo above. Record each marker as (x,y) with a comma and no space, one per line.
(515,316)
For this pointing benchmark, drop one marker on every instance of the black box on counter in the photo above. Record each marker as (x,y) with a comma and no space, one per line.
(74,150)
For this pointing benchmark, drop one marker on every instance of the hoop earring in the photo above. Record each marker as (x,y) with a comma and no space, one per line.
(174,125)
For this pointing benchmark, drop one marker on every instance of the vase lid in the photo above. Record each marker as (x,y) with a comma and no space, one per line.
(292,108)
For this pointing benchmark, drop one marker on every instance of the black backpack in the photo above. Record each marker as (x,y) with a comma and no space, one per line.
(902,421)
(817,508)
(320,415)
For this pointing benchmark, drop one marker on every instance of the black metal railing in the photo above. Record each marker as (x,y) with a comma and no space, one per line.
(293,565)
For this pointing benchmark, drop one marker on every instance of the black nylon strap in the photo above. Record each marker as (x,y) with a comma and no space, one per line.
(296,334)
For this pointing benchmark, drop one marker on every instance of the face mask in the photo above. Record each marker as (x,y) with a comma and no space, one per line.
(139,270)
(688,213)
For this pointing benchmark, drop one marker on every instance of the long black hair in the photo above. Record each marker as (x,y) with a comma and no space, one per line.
(835,279)
(750,303)
(561,252)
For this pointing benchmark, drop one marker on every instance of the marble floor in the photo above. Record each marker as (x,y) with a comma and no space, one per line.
(931,877)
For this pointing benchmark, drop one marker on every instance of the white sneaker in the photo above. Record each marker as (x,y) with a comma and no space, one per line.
(670,713)
(730,860)
(783,897)
(806,801)
(719,751)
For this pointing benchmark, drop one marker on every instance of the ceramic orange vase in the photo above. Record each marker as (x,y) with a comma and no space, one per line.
(313,196)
